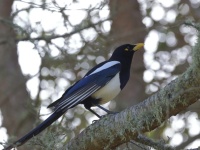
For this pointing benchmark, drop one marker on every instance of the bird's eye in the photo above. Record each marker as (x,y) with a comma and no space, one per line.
(126,49)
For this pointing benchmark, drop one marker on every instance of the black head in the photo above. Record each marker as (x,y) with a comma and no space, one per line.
(124,55)
(126,51)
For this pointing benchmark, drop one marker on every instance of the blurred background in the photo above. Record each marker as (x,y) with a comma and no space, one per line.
(47,45)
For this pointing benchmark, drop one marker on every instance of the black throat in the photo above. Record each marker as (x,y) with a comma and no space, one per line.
(125,59)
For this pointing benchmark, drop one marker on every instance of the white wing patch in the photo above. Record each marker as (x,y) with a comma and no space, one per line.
(105,66)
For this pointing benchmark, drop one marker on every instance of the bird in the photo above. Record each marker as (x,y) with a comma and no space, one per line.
(100,85)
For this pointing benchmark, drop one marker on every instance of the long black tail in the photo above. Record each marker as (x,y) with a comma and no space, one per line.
(36,130)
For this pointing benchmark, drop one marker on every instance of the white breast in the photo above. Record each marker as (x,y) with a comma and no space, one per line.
(109,91)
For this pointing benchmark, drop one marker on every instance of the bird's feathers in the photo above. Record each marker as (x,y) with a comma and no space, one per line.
(88,85)
(35,131)
(102,66)
(78,92)
(109,91)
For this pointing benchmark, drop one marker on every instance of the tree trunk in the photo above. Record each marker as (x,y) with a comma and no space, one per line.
(126,28)
(14,98)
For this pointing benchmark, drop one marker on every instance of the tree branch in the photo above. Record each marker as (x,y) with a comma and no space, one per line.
(114,130)
(157,145)
(48,38)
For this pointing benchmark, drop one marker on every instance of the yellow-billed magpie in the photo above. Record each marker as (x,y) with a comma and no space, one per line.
(100,85)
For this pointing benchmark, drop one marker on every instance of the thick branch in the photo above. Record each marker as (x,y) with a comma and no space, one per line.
(114,130)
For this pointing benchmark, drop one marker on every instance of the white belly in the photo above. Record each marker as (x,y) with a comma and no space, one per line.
(109,91)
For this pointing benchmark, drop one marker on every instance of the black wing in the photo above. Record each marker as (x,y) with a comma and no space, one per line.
(86,87)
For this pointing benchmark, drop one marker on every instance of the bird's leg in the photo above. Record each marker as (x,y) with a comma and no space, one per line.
(109,112)
(94,112)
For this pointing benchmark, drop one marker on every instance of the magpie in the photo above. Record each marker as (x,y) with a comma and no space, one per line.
(100,85)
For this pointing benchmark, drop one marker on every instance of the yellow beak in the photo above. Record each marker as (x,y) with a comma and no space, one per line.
(138,46)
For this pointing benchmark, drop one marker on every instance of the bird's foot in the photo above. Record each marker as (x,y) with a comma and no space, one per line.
(94,121)
(100,117)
